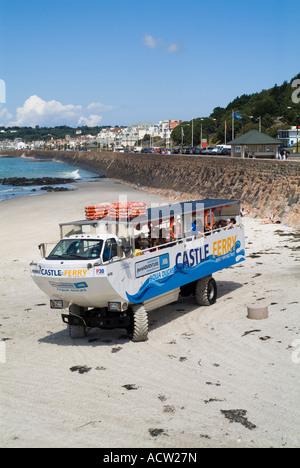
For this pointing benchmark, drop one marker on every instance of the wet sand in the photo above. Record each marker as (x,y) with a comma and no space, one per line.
(207,376)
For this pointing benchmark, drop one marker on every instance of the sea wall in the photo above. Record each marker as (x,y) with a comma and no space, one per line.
(265,187)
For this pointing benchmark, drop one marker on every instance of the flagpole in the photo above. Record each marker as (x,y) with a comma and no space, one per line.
(225,130)
(232,125)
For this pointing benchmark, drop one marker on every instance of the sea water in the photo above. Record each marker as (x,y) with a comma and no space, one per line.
(33,168)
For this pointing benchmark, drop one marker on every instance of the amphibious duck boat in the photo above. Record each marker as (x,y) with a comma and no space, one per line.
(125,260)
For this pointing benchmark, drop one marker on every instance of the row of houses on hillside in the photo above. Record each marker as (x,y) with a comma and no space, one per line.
(108,138)
(133,135)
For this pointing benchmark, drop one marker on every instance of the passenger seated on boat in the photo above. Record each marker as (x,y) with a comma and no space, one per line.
(154,245)
(145,246)
(163,241)
(230,223)
(220,224)
(167,239)
(138,246)
(167,242)
(217,226)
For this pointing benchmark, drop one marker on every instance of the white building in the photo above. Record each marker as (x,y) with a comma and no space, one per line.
(106,137)
(290,136)
(135,134)
(20,145)
(166,127)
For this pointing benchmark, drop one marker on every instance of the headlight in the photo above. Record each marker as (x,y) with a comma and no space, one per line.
(114,306)
(117,306)
(56,304)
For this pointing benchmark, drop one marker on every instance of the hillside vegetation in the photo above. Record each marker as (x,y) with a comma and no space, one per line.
(273,108)
(45,133)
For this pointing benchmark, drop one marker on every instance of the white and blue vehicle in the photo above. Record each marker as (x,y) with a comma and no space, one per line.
(111,269)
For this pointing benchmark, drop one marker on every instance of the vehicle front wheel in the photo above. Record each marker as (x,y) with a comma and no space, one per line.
(206,291)
(138,328)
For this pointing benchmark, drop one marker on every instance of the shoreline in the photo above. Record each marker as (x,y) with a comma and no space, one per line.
(199,363)
(37,185)
(266,188)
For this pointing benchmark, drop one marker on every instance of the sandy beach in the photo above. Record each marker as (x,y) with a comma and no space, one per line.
(206,377)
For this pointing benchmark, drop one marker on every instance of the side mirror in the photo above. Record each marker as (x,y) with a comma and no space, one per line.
(43,249)
(98,262)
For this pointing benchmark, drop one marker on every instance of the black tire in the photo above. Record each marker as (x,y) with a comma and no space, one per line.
(76,331)
(138,328)
(206,291)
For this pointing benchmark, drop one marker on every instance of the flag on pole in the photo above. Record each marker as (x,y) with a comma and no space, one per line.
(237,116)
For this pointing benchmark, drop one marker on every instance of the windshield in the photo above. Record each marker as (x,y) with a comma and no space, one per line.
(74,249)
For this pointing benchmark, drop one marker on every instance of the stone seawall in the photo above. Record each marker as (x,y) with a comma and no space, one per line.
(265,187)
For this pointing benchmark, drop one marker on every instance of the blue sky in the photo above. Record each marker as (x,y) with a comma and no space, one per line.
(117,62)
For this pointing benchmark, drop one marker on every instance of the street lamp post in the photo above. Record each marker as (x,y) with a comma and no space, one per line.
(201,130)
(192,133)
(182,134)
(259,122)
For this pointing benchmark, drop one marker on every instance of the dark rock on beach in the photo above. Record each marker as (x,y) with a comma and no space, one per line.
(24,182)
(48,188)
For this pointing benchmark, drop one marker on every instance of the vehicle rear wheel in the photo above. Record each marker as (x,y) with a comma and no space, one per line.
(76,331)
(206,291)
(138,328)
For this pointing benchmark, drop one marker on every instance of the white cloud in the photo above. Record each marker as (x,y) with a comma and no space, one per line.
(37,111)
(5,116)
(99,107)
(151,43)
(174,48)
(2,92)
(92,121)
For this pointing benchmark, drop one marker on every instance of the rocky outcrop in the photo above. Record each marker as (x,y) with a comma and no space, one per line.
(25,182)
